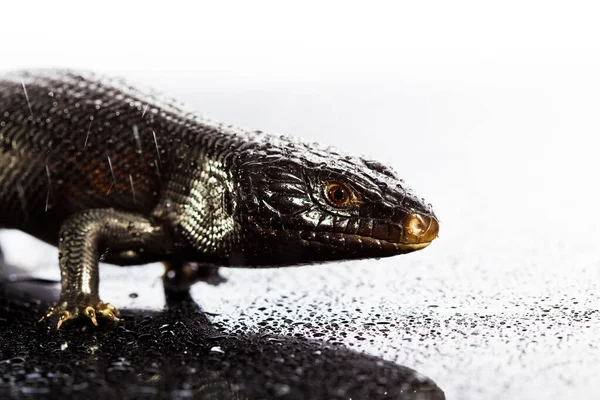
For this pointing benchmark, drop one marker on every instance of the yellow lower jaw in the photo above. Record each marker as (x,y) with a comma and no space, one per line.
(411,246)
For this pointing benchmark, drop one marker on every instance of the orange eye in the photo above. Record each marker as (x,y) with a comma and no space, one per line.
(338,195)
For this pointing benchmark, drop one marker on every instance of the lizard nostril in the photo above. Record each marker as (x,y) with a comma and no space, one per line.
(419,228)
(416,226)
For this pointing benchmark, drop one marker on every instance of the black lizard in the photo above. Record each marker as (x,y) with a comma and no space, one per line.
(106,171)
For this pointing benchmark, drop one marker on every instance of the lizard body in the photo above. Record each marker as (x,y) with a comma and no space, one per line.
(103,170)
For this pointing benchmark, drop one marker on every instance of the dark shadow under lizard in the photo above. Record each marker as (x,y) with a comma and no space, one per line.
(178,353)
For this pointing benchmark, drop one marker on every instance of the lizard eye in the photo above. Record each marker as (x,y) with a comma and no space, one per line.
(337,194)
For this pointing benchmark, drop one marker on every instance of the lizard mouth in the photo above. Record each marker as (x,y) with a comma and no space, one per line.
(411,246)
(418,231)
(386,245)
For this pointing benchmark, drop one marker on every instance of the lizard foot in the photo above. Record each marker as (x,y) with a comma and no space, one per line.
(180,277)
(87,307)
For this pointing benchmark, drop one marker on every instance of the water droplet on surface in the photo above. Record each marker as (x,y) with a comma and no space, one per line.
(281,389)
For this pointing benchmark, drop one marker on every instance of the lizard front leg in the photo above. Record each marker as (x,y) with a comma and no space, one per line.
(82,238)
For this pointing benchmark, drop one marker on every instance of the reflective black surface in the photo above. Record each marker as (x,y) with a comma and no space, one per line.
(178,353)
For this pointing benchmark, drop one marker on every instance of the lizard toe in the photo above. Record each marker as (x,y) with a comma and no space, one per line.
(90,308)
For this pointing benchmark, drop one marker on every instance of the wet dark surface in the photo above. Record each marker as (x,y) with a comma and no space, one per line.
(180,353)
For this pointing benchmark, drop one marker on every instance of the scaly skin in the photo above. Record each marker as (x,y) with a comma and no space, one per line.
(106,171)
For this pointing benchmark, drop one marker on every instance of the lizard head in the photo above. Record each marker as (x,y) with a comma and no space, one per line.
(301,203)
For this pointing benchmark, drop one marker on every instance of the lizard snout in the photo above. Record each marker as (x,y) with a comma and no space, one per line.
(419,229)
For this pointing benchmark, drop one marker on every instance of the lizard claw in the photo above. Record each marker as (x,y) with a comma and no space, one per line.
(66,315)
(49,313)
(69,310)
(109,311)
(91,314)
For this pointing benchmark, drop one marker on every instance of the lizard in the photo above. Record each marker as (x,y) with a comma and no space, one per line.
(106,171)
